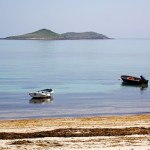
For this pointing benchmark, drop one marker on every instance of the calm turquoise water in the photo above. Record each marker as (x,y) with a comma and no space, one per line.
(84,75)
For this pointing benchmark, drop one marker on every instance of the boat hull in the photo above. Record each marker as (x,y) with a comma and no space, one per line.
(133,80)
(46,93)
(39,95)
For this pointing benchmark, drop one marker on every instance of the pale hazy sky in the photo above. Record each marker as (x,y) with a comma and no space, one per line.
(114,18)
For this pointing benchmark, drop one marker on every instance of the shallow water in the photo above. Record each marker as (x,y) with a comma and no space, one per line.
(84,74)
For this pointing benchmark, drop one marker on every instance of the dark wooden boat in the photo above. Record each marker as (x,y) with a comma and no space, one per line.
(134,80)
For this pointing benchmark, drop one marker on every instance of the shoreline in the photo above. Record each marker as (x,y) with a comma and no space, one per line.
(117,132)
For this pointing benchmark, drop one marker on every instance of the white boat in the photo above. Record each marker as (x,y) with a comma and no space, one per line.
(45,93)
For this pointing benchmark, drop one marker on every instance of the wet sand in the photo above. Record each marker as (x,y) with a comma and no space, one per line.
(113,132)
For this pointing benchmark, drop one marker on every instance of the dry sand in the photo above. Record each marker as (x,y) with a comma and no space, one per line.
(91,133)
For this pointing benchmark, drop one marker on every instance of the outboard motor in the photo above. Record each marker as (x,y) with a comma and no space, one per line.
(142,78)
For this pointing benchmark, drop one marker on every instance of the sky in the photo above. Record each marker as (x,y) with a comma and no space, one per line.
(113,18)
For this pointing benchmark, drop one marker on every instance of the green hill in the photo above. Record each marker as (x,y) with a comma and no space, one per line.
(40,34)
(45,34)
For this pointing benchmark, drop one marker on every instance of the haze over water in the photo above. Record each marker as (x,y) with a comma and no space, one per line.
(84,75)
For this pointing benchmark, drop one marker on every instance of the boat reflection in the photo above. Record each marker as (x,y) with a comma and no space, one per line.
(41,101)
(142,86)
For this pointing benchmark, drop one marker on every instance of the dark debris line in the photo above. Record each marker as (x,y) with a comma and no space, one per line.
(77,132)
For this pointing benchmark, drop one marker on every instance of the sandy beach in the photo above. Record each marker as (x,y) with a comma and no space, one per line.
(94,133)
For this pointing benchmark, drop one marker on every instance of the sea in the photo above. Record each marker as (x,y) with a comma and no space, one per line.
(84,74)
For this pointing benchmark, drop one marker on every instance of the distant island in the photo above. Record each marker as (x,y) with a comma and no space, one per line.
(45,34)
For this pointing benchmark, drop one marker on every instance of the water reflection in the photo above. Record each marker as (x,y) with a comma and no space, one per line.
(41,101)
(142,86)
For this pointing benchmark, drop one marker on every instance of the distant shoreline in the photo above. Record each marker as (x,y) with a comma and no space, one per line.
(45,34)
(82,39)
